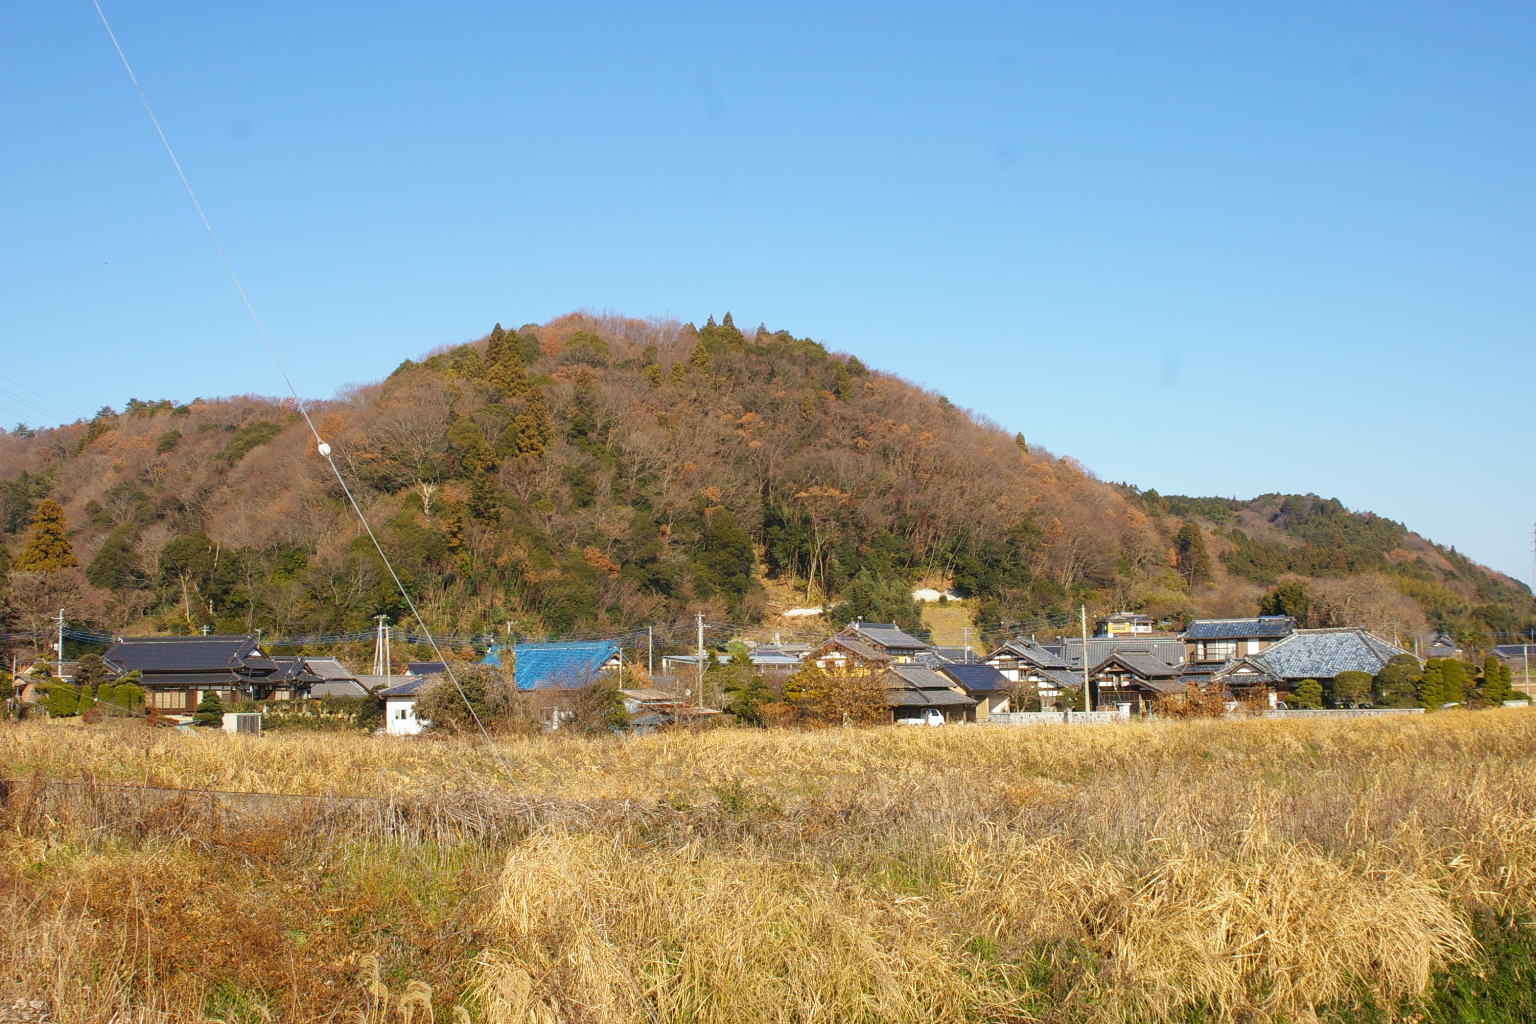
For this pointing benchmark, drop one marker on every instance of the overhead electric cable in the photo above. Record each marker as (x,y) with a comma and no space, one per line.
(322,446)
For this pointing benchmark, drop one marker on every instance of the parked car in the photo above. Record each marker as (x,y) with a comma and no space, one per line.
(928,716)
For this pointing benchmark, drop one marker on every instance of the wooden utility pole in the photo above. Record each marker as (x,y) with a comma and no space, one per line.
(1083,611)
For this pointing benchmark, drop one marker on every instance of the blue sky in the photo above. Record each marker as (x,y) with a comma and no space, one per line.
(1210,248)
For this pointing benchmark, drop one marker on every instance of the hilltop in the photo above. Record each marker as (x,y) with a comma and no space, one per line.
(600,473)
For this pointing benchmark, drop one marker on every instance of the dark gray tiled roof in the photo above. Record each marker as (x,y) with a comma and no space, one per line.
(1249,671)
(857,647)
(920,676)
(976,678)
(1169,651)
(927,699)
(1143,665)
(408,688)
(887,636)
(329,668)
(1515,652)
(1263,627)
(176,680)
(179,653)
(1324,653)
(423,668)
(1063,677)
(338,688)
(1025,650)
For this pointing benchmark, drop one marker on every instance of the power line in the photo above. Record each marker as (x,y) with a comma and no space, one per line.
(321,445)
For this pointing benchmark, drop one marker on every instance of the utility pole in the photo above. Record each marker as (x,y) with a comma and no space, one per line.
(380,655)
(1083,611)
(965,642)
(650,652)
(701,658)
(59,665)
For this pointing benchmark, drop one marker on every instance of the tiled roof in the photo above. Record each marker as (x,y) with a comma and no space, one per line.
(886,635)
(1025,650)
(179,653)
(329,668)
(920,676)
(569,665)
(1245,671)
(338,688)
(1170,652)
(927,699)
(1515,652)
(1264,627)
(856,647)
(424,668)
(291,670)
(408,688)
(1062,678)
(1143,665)
(213,680)
(976,678)
(1324,653)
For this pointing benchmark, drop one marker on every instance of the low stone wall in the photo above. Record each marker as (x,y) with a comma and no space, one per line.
(1055,718)
(1341,712)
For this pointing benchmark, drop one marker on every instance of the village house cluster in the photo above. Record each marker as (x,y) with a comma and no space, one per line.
(1128,666)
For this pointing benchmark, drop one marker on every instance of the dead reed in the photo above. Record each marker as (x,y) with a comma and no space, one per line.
(1212,871)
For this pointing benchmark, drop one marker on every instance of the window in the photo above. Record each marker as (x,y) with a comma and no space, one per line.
(1218,650)
(167,699)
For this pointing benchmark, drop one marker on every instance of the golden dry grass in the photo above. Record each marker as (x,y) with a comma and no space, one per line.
(1219,871)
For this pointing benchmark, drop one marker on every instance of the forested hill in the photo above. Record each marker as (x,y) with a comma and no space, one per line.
(598,474)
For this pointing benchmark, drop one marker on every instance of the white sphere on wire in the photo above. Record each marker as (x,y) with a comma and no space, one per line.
(325,449)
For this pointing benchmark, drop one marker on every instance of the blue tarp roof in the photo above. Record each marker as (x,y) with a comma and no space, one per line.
(567,665)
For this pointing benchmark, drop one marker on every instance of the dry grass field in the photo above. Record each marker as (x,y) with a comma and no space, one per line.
(1233,871)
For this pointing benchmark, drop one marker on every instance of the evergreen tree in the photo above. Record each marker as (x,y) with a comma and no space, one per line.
(505,369)
(1023,445)
(1194,563)
(115,566)
(1396,685)
(467,443)
(1498,681)
(60,699)
(1456,679)
(1308,694)
(484,499)
(1350,689)
(874,597)
(725,558)
(209,711)
(1293,598)
(47,548)
(128,695)
(1433,690)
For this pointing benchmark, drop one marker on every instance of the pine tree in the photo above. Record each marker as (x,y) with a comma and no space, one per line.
(48,547)
(1309,694)
(209,711)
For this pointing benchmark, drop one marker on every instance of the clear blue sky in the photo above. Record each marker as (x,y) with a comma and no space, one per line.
(1223,249)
